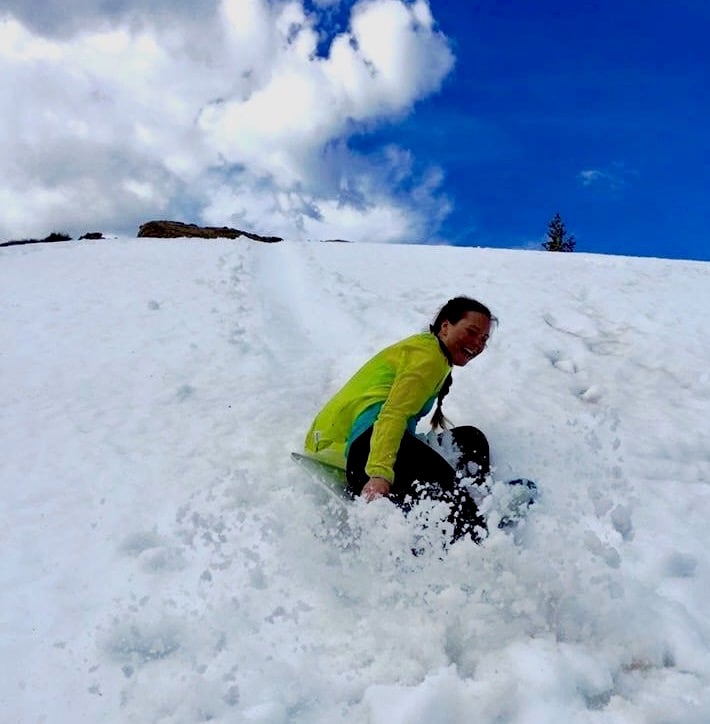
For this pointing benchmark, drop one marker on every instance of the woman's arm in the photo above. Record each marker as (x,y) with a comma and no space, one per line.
(413,386)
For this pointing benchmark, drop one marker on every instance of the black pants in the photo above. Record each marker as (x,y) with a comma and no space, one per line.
(421,472)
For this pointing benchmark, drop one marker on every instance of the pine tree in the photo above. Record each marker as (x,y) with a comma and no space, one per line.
(557,239)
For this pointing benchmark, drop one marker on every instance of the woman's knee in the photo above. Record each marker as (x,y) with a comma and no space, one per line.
(471,440)
(474,454)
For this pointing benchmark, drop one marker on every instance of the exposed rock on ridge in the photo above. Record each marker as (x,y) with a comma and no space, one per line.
(177,229)
(53,237)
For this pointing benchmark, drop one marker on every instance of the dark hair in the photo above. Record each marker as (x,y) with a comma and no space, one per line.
(453,311)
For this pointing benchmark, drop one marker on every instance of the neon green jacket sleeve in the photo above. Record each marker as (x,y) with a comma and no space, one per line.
(400,381)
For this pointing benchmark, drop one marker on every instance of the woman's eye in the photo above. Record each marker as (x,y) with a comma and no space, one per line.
(477,336)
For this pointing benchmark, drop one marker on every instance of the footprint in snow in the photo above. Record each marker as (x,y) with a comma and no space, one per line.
(153,553)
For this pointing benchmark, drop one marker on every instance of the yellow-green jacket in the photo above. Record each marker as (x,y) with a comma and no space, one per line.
(392,391)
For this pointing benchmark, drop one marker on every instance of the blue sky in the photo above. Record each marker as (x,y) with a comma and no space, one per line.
(448,121)
(597,110)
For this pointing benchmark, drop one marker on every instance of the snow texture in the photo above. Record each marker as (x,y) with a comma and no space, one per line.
(163,559)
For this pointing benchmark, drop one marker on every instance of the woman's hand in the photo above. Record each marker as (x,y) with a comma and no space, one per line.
(376,488)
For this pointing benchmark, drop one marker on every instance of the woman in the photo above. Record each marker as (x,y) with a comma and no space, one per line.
(368,427)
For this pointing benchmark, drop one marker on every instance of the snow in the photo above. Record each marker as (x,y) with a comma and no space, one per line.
(163,560)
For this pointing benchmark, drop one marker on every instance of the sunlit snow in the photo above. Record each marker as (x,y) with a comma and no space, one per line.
(163,559)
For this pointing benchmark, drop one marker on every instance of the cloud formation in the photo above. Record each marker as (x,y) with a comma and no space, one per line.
(240,114)
(613,178)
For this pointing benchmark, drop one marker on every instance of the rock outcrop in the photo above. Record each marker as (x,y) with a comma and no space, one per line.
(54,236)
(177,229)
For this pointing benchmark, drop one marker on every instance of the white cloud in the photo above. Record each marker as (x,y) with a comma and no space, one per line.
(64,18)
(360,204)
(592,176)
(231,116)
(614,178)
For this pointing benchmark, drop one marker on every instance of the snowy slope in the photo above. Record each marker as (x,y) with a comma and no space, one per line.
(164,561)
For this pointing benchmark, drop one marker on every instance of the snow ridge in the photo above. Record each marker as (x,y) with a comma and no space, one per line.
(164,560)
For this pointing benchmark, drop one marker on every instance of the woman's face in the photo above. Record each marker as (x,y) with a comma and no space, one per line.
(466,338)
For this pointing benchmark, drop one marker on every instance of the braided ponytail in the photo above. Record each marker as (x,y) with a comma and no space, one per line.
(438,419)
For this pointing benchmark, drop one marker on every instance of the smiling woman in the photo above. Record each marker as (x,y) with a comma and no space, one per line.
(368,428)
